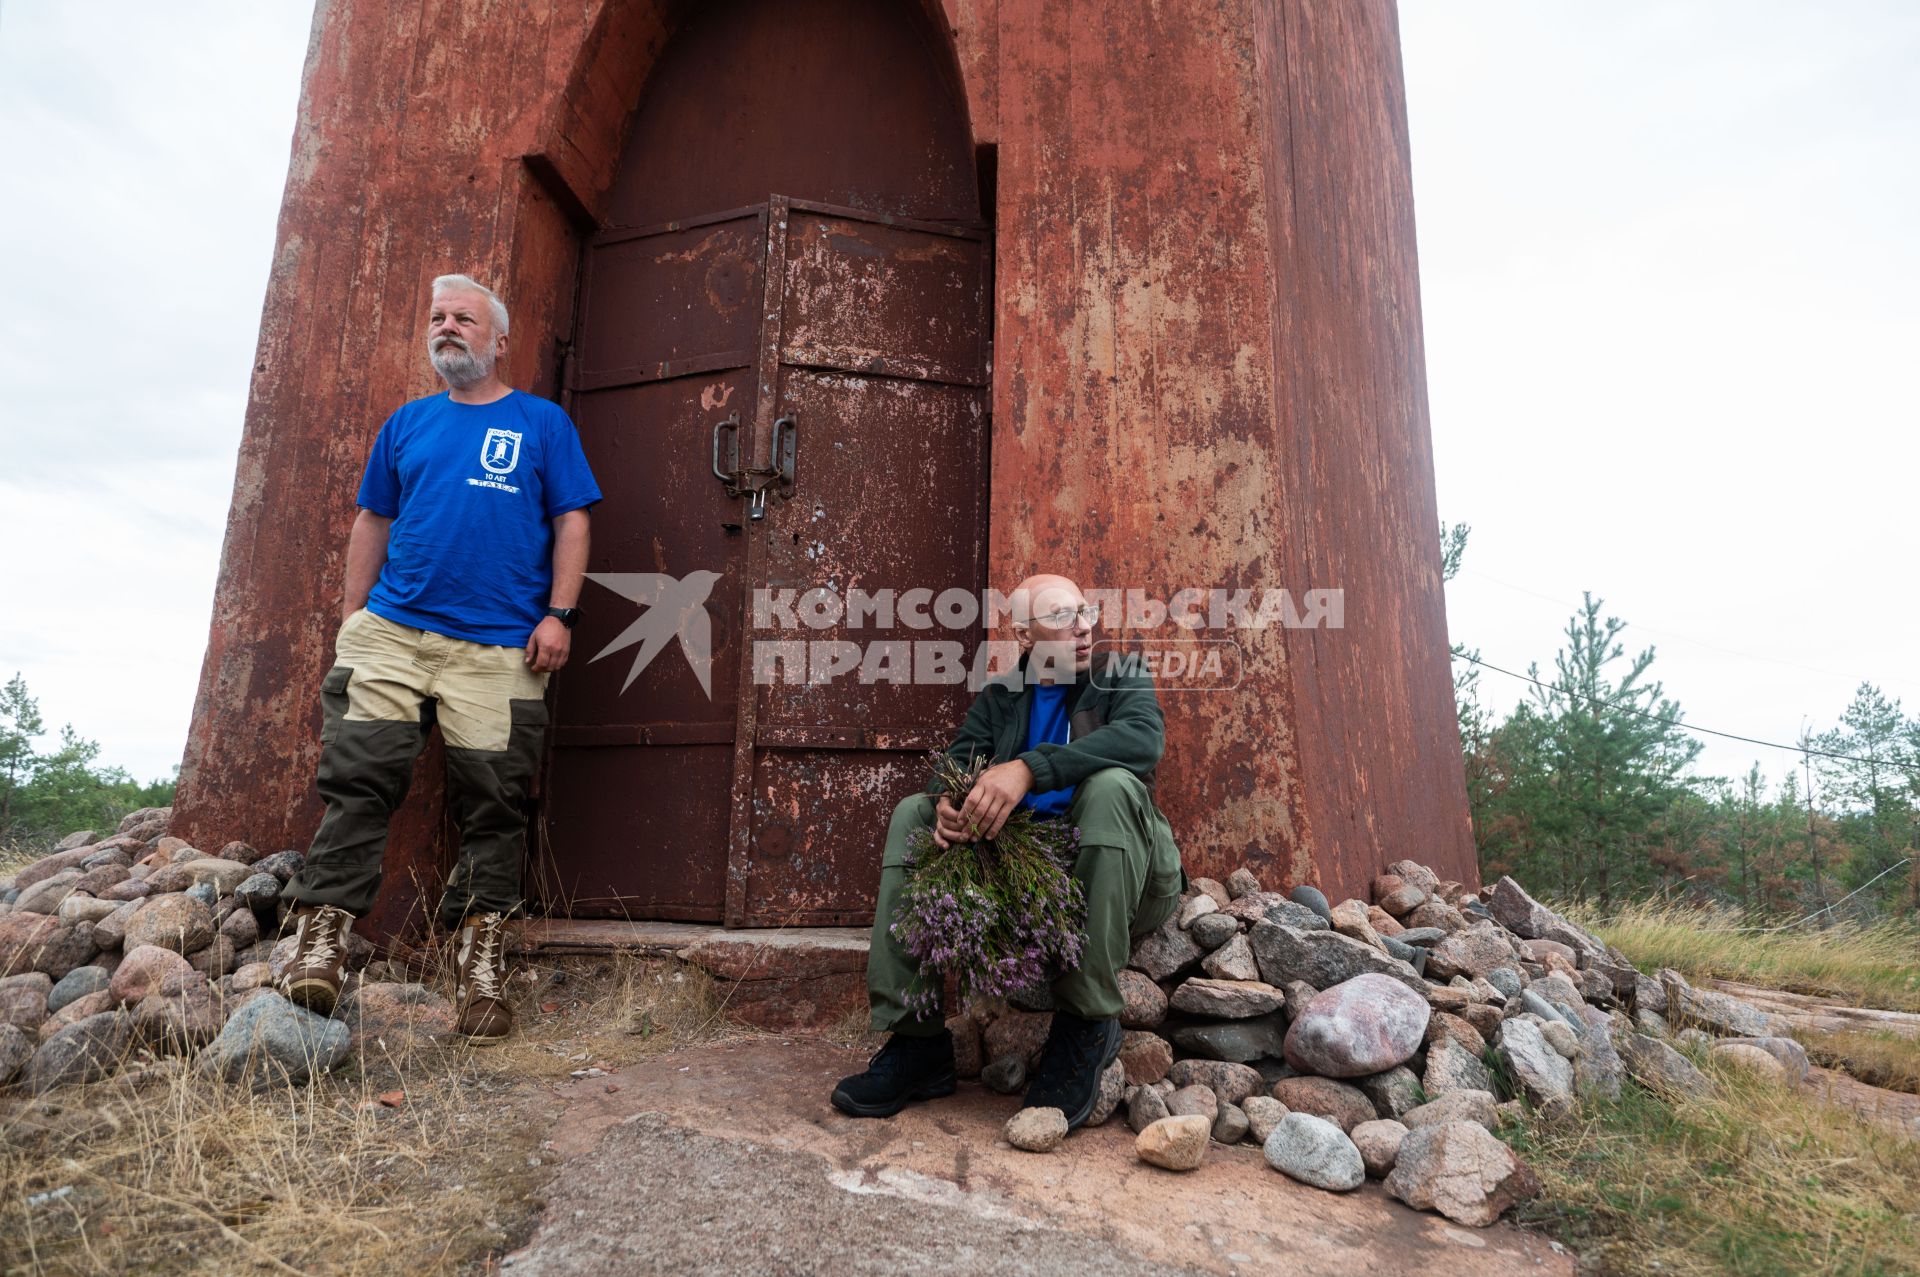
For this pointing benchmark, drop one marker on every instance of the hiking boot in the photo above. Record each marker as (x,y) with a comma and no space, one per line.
(480,979)
(905,1069)
(313,974)
(1076,1054)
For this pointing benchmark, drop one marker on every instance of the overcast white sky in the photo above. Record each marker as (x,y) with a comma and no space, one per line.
(1668,267)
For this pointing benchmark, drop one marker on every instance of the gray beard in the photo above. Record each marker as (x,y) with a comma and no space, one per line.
(460,367)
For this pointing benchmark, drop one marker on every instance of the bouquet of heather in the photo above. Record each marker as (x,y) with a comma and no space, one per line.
(998,915)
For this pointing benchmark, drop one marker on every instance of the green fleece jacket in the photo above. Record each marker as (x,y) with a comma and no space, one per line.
(1130,730)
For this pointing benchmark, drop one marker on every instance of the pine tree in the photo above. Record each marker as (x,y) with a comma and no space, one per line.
(44,795)
(1873,785)
(1475,720)
(1744,835)
(1612,753)
(20,725)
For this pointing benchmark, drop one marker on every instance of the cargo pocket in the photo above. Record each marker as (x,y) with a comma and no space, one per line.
(1166,877)
(528,731)
(333,701)
(1165,880)
(1153,910)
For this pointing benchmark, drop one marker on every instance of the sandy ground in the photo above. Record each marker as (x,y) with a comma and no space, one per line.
(727,1159)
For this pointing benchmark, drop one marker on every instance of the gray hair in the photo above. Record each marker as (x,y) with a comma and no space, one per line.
(466,283)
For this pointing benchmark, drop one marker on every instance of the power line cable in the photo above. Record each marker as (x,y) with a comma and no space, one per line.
(1836,904)
(1675,722)
(1800,922)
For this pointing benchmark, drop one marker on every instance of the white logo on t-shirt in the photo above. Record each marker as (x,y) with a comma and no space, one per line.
(500,451)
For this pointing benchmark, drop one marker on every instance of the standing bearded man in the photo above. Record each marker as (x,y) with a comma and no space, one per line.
(464,571)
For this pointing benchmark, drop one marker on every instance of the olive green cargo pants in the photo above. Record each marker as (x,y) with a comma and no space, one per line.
(390,683)
(1128,867)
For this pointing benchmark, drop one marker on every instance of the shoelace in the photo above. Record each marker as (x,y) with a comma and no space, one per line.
(485,977)
(322,930)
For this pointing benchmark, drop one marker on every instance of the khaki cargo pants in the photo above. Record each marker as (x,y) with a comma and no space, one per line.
(1128,867)
(389,684)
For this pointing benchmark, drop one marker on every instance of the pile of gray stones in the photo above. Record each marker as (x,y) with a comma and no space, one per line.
(116,951)
(1382,1040)
(1350,1040)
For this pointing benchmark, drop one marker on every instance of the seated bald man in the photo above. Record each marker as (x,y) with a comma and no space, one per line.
(1071,747)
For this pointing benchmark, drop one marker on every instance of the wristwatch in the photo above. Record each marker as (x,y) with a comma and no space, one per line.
(567,615)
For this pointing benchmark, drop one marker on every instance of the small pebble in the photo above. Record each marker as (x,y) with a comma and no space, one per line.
(1007,1075)
(1037,1130)
(1175,1143)
(1314,899)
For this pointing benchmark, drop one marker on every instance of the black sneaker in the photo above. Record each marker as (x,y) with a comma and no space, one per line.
(905,1069)
(1076,1054)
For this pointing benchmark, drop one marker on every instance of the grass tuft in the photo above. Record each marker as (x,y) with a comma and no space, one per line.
(16,855)
(1757,1180)
(423,1158)
(1880,1058)
(1874,965)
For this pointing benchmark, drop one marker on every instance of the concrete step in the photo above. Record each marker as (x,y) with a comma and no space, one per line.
(788,979)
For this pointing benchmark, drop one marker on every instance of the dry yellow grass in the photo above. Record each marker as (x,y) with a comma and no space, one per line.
(1881,1059)
(425,1160)
(1759,1180)
(15,856)
(1874,966)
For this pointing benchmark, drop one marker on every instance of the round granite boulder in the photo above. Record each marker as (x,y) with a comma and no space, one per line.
(1362,1026)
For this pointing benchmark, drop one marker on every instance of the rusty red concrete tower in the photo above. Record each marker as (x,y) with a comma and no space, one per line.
(981,287)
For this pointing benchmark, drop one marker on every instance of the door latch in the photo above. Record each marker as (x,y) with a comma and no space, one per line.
(754,482)
(730,473)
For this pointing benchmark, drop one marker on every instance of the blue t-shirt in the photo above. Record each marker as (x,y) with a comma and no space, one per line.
(473,490)
(1047,725)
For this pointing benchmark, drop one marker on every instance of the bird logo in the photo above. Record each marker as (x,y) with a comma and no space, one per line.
(675,607)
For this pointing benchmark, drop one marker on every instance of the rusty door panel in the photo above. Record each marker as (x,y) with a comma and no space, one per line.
(667,799)
(841,100)
(671,516)
(636,833)
(889,474)
(883,298)
(819,825)
(640,764)
(881,367)
(662,300)
(698,316)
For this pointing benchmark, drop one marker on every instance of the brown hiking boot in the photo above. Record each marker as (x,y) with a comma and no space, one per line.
(480,979)
(312,977)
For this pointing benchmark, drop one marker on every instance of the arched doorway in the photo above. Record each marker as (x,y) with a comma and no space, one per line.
(780,373)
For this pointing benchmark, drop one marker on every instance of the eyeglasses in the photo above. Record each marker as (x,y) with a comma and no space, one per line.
(1060,618)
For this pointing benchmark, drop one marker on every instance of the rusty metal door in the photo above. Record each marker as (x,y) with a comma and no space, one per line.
(641,765)
(786,397)
(876,354)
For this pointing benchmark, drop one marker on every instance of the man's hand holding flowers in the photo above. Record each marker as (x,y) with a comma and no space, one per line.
(995,796)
